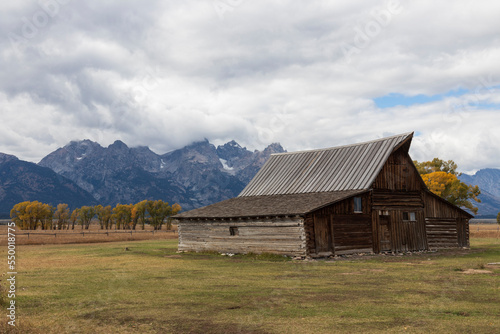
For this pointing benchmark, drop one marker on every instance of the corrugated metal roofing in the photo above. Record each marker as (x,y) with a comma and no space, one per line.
(351,167)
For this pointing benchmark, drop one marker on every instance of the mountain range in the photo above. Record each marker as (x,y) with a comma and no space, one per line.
(196,175)
(86,173)
(22,181)
(488,181)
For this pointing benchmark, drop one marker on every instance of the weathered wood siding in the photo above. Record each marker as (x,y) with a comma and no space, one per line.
(441,232)
(389,205)
(352,233)
(437,208)
(279,236)
(404,235)
(398,174)
(446,226)
(336,229)
(408,235)
(463,232)
(397,200)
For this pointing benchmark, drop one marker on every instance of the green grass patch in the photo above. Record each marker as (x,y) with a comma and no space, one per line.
(147,287)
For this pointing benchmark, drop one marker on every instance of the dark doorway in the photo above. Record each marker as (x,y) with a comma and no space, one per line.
(323,235)
(385,233)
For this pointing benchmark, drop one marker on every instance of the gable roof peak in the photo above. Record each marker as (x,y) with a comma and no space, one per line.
(349,167)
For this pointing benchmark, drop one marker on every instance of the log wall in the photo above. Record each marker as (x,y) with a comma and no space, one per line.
(397,200)
(446,225)
(441,232)
(279,236)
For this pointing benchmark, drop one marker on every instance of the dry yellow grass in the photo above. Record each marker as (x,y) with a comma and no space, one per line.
(150,288)
(92,235)
(484,231)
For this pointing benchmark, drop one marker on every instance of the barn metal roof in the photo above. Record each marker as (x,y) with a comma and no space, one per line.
(350,167)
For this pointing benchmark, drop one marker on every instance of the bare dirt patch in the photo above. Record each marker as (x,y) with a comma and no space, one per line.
(476,271)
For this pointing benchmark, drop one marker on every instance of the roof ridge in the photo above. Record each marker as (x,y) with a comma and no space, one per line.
(406,134)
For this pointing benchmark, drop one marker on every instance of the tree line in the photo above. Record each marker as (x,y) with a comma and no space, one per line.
(31,215)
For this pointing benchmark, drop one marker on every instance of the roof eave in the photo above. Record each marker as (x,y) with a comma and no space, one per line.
(362,191)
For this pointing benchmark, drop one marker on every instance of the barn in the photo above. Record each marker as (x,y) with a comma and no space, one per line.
(365,197)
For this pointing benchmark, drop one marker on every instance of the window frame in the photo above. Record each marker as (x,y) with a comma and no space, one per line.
(409,216)
(358,204)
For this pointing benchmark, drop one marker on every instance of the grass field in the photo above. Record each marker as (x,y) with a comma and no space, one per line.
(149,288)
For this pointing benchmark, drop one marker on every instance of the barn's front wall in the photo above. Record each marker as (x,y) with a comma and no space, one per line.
(284,236)
(336,229)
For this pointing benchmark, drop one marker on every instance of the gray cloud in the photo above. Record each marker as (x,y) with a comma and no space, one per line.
(166,73)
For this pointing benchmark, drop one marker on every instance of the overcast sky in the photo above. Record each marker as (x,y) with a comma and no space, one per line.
(308,74)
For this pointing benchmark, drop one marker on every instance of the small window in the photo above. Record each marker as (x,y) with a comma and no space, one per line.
(358,205)
(233,230)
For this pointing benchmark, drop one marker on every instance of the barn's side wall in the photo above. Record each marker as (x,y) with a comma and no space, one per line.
(446,226)
(336,229)
(270,235)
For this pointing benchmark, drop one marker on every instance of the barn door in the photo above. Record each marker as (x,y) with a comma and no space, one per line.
(385,233)
(323,235)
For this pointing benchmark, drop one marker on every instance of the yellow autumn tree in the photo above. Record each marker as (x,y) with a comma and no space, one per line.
(29,215)
(441,178)
(20,216)
(62,215)
(176,208)
(139,214)
(85,216)
(159,211)
(438,181)
(75,216)
(122,215)
(104,215)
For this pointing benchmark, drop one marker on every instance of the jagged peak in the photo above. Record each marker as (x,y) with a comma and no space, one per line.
(233,143)
(118,144)
(275,148)
(84,142)
(202,144)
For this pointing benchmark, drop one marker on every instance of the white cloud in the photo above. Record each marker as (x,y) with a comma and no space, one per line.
(166,73)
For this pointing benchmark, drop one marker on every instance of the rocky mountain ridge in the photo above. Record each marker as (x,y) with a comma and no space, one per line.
(488,180)
(196,175)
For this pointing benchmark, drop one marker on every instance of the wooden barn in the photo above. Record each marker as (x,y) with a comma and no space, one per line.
(365,197)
